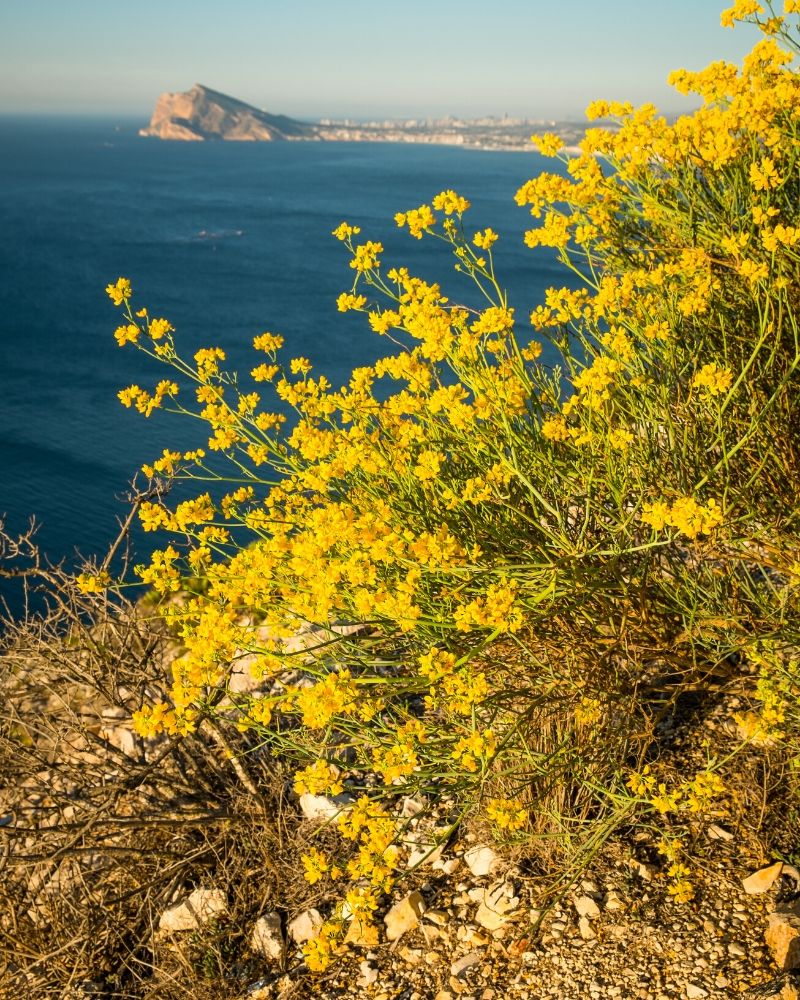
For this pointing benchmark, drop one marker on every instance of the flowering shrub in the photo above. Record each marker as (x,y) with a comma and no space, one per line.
(494,564)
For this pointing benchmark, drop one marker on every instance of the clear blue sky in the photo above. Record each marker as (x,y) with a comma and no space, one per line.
(311,58)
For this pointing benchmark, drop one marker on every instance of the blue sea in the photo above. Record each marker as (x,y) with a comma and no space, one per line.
(226,240)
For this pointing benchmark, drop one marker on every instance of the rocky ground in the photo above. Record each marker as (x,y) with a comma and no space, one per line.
(469,933)
(472,920)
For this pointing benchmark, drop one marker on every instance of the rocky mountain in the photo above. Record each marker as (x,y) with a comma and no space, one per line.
(202,113)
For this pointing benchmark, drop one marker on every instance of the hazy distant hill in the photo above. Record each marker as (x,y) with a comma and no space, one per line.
(202,113)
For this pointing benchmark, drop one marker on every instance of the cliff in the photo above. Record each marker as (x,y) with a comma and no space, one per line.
(202,113)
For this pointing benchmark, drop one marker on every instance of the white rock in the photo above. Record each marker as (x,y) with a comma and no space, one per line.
(426,855)
(585,929)
(717,832)
(462,965)
(763,879)
(242,679)
(321,808)
(368,974)
(481,860)
(267,937)
(498,904)
(694,992)
(449,867)
(613,902)
(490,919)
(115,713)
(643,870)
(199,907)
(411,807)
(305,926)
(122,738)
(422,848)
(586,907)
(404,915)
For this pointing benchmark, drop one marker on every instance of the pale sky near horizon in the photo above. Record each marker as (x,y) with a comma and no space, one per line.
(316,58)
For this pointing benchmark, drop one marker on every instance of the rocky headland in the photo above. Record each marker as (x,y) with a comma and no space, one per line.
(202,113)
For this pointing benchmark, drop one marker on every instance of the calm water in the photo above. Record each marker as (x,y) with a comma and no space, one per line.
(225,240)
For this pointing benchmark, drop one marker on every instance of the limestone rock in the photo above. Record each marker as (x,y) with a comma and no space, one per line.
(449,867)
(717,832)
(694,992)
(783,938)
(369,975)
(243,679)
(585,929)
(481,860)
(404,915)
(321,808)
(763,879)
(267,937)
(462,965)
(305,926)
(202,113)
(200,907)
(498,905)
(586,907)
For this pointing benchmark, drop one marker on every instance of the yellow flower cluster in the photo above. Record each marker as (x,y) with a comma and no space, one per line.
(507,814)
(712,380)
(686,514)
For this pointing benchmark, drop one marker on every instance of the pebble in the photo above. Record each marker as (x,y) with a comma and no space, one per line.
(763,879)
(267,937)
(587,907)
(481,860)
(198,908)
(404,915)
(462,965)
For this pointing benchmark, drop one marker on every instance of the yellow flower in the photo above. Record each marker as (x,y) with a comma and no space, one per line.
(264,373)
(763,175)
(344,231)
(92,583)
(347,301)
(548,144)
(712,380)
(268,342)
(418,220)
(741,10)
(318,778)
(366,256)
(641,784)
(428,465)
(127,334)
(450,203)
(486,239)
(316,865)
(507,814)
(159,328)
(555,429)
(120,291)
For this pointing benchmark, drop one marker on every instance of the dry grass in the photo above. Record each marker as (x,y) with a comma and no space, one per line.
(100,832)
